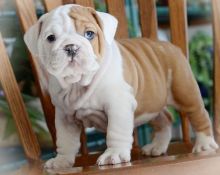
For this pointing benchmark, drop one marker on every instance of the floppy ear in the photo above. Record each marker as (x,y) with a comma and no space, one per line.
(109,25)
(31,37)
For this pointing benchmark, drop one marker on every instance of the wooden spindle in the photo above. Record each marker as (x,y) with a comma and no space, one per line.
(179,37)
(216,32)
(68,1)
(117,9)
(27,15)
(178,24)
(83,140)
(17,107)
(148,18)
(51,4)
(86,3)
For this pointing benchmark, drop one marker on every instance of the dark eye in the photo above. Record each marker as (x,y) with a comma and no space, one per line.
(89,35)
(51,38)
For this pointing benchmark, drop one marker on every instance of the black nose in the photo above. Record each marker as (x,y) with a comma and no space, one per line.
(71,49)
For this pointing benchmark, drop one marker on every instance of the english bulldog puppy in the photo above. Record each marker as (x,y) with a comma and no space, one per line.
(112,85)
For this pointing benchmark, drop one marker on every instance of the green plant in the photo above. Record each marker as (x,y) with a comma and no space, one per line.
(100,5)
(200,54)
(35,115)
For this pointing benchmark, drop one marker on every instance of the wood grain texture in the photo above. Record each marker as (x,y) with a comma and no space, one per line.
(178,29)
(17,107)
(148,18)
(51,4)
(83,139)
(188,164)
(135,146)
(216,32)
(26,12)
(89,159)
(68,1)
(136,154)
(117,9)
(178,24)
(86,3)
(27,15)
(185,128)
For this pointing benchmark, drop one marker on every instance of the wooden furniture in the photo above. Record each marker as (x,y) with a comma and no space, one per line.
(27,15)
(16,104)
(216,32)
(148,21)
(205,164)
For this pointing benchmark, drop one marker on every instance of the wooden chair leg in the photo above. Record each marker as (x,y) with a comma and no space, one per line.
(178,27)
(216,27)
(16,104)
(136,150)
(83,140)
(185,129)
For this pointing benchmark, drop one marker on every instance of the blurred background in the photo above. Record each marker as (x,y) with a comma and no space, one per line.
(200,54)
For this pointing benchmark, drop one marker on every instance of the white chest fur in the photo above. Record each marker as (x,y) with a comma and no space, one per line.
(91,114)
(88,105)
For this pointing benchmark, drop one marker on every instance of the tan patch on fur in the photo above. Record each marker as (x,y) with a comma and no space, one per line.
(144,71)
(86,19)
(147,65)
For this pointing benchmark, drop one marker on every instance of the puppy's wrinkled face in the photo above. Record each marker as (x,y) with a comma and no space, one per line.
(89,25)
(69,42)
(70,45)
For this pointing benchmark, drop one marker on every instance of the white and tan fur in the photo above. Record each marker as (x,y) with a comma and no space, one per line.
(95,89)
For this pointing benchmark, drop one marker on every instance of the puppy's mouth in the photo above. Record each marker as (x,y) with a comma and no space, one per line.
(67,74)
(64,68)
(73,67)
(60,60)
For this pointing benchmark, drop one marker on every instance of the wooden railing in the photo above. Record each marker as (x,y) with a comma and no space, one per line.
(148,23)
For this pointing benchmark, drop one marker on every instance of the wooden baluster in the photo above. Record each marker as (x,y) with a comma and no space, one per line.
(148,18)
(216,32)
(135,147)
(178,24)
(68,1)
(83,140)
(178,28)
(117,9)
(27,15)
(51,4)
(17,107)
(86,3)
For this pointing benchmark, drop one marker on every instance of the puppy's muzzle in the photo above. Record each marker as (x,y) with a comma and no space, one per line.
(71,50)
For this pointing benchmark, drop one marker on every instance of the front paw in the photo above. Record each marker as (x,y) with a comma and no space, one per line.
(114,156)
(204,143)
(154,149)
(59,162)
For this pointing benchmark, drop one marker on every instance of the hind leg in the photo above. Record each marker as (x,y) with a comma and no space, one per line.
(162,126)
(187,99)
